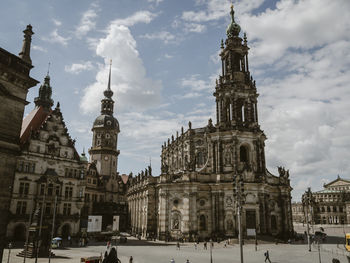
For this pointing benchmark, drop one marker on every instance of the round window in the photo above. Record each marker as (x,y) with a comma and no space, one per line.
(176,202)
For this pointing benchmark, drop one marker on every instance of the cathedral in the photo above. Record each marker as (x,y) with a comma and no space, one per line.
(194,196)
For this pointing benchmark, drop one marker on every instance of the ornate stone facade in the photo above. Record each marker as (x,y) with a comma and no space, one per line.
(329,206)
(193,196)
(14,84)
(48,166)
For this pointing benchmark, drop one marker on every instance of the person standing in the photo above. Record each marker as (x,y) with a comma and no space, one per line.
(205,245)
(131,259)
(195,246)
(267,256)
(178,245)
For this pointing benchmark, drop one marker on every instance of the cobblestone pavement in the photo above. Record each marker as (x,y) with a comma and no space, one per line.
(160,252)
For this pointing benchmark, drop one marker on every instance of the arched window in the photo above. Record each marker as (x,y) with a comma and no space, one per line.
(243,153)
(202,223)
(200,159)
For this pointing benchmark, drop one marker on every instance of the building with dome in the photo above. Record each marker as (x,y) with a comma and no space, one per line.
(105,192)
(194,196)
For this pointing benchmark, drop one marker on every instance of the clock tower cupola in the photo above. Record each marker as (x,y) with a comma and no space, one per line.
(104,152)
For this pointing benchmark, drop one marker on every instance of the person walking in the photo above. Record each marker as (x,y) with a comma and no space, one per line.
(205,245)
(267,256)
(178,245)
(195,246)
(187,261)
(131,259)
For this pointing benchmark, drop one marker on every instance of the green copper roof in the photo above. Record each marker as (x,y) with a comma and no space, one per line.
(233,28)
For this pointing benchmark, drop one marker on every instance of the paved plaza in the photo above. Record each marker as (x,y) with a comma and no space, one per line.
(160,252)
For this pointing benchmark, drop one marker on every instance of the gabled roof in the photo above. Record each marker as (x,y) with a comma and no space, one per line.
(338,181)
(32,122)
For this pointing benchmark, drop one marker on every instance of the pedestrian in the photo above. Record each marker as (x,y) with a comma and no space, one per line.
(69,240)
(225,246)
(131,259)
(172,261)
(195,246)
(187,261)
(205,245)
(178,245)
(267,256)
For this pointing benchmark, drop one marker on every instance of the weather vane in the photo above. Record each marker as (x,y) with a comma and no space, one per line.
(48,68)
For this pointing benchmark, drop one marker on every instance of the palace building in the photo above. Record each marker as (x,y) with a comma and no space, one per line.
(330,205)
(193,197)
(48,166)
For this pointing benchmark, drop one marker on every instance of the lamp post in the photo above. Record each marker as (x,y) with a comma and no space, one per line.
(238,193)
(8,258)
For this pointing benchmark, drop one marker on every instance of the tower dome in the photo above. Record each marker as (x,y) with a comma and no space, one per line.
(233,28)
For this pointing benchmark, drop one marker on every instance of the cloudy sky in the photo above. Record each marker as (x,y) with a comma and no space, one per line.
(165,61)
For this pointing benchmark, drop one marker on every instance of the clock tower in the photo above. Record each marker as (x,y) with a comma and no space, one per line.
(105,130)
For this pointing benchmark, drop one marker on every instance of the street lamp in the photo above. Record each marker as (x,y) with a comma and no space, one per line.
(8,258)
(238,194)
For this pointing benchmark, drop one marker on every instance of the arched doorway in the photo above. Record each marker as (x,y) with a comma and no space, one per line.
(19,233)
(65,231)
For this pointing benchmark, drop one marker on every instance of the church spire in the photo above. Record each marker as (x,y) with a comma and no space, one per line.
(107,102)
(45,91)
(108,92)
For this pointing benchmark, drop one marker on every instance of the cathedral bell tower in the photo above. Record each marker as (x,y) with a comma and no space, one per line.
(235,91)
(105,130)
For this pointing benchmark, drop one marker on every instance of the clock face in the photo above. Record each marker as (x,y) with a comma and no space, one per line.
(106,158)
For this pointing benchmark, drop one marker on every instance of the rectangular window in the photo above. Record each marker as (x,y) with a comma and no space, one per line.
(67,209)
(26,167)
(42,189)
(32,168)
(68,193)
(57,190)
(23,189)
(20,166)
(48,209)
(21,207)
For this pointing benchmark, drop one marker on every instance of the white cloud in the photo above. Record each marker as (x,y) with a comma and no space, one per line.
(133,89)
(54,37)
(87,22)
(138,17)
(300,25)
(77,68)
(165,36)
(157,2)
(168,56)
(56,22)
(217,9)
(194,27)
(39,48)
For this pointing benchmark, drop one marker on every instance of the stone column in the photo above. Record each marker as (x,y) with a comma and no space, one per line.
(186,214)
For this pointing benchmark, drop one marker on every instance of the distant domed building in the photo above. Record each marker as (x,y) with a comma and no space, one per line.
(195,196)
